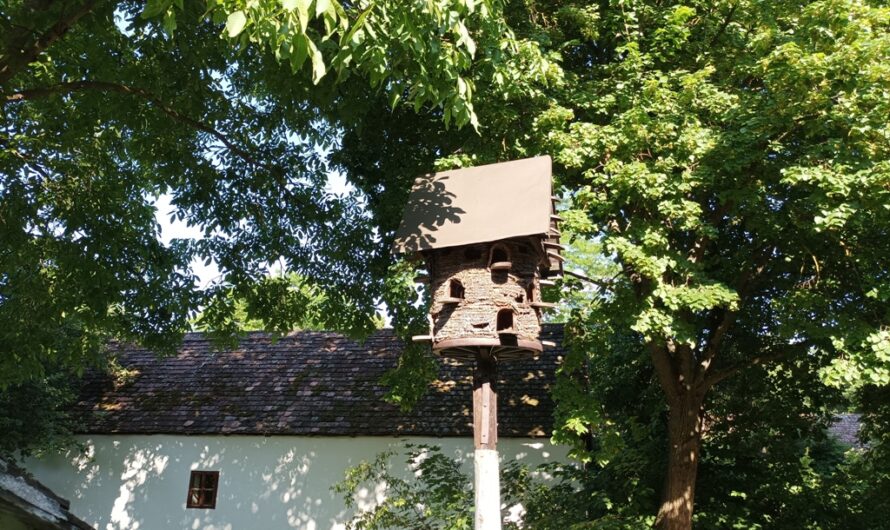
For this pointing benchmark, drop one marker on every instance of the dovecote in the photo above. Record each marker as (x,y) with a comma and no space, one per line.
(488,237)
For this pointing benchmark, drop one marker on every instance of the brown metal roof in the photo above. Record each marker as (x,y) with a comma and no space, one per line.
(477,204)
(307,383)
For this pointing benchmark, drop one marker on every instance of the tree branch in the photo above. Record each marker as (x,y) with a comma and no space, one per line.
(743,283)
(716,339)
(743,288)
(22,48)
(776,353)
(723,26)
(702,244)
(665,372)
(599,283)
(103,86)
(30,163)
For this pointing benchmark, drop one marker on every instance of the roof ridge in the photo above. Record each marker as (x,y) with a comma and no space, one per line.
(191,335)
(549,325)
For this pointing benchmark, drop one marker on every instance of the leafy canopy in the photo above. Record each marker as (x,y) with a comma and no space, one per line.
(730,158)
(231,108)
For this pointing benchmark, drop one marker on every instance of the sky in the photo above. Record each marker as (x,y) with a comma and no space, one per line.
(180,230)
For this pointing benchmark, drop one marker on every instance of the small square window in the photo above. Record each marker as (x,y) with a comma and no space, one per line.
(202,489)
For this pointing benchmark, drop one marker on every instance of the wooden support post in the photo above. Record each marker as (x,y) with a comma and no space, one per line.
(485,439)
(485,401)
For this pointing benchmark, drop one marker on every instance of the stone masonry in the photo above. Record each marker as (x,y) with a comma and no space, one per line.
(486,292)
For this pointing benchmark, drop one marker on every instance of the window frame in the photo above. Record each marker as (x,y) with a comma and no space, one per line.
(197,484)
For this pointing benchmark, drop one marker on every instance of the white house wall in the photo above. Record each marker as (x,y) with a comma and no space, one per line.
(139,482)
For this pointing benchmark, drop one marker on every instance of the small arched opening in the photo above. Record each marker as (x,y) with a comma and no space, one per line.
(505,320)
(499,258)
(456,289)
(530,292)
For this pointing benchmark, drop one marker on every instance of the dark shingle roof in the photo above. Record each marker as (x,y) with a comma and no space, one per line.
(845,429)
(25,500)
(307,383)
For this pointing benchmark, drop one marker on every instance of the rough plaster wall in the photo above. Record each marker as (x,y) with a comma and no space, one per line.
(139,482)
(486,291)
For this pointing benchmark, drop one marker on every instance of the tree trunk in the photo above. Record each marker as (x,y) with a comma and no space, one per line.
(684,438)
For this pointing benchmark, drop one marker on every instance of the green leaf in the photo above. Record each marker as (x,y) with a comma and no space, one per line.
(394,97)
(235,23)
(303,13)
(154,8)
(359,22)
(318,67)
(322,6)
(300,51)
(169,22)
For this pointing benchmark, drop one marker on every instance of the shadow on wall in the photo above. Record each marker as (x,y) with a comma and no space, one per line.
(141,482)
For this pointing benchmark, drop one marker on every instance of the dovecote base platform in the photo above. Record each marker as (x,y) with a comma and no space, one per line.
(504,349)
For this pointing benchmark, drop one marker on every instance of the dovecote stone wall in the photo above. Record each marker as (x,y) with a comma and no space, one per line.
(470,309)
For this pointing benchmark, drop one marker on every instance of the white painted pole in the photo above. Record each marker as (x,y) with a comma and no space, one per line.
(488,490)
